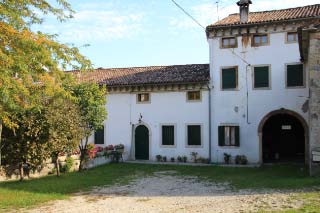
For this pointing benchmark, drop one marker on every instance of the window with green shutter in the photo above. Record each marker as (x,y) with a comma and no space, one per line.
(194,135)
(168,135)
(295,75)
(99,136)
(229,135)
(261,77)
(229,78)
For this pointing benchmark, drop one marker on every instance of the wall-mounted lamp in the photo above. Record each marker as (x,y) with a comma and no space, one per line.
(140,118)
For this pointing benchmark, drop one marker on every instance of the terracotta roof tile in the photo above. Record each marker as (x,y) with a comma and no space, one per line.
(192,73)
(310,11)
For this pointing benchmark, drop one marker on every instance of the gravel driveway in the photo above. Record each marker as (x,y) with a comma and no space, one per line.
(166,192)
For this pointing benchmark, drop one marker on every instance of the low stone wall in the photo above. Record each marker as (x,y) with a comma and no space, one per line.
(49,167)
(96,162)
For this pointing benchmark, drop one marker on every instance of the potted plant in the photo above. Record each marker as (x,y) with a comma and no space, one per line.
(119,148)
(164,159)
(194,156)
(159,158)
(184,159)
(241,159)
(172,159)
(179,159)
(227,158)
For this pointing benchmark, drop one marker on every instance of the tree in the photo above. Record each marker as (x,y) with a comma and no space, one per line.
(26,145)
(91,100)
(64,128)
(25,56)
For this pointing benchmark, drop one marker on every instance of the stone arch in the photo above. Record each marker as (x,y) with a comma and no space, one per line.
(287,112)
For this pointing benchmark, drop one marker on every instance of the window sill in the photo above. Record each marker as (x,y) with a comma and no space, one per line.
(229,147)
(168,146)
(194,146)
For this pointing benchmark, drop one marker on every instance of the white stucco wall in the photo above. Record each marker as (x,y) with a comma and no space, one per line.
(164,108)
(260,102)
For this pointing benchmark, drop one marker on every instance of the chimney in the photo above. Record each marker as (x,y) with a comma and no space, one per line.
(244,10)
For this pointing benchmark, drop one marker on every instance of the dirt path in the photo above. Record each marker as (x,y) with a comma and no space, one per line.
(165,192)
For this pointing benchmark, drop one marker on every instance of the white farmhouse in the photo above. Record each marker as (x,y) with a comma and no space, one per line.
(252,101)
(159,110)
(259,89)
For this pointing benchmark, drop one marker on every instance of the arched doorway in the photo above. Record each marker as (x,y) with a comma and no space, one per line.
(141,143)
(283,137)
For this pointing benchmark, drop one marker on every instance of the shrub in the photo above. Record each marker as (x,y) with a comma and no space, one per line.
(164,159)
(172,159)
(184,159)
(194,156)
(179,159)
(69,164)
(227,158)
(241,159)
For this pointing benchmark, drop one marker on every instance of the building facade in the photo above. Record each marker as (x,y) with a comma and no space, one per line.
(252,100)
(260,91)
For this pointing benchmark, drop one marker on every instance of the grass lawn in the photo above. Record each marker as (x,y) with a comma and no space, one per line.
(35,192)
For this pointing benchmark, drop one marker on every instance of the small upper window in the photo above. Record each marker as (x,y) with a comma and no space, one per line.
(193,96)
(295,75)
(230,42)
(292,37)
(143,97)
(260,40)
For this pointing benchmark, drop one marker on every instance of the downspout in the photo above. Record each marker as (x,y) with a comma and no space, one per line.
(248,66)
(209,111)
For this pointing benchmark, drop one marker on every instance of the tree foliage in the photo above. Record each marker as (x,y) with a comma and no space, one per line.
(91,100)
(64,128)
(28,57)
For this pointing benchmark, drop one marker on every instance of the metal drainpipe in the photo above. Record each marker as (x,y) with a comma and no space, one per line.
(210,154)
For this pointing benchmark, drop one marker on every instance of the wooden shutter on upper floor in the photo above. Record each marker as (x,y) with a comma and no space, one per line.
(229,78)
(295,76)
(261,77)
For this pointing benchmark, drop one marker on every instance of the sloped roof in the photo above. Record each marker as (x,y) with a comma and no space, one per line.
(310,11)
(192,73)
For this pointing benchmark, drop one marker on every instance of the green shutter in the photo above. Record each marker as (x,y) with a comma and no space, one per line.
(261,77)
(99,136)
(295,75)
(168,135)
(237,135)
(229,78)
(221,135)
(194,135)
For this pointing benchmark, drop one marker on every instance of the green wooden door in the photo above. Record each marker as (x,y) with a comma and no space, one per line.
(142,143)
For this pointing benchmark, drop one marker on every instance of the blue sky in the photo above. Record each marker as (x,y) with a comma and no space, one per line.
(126,33)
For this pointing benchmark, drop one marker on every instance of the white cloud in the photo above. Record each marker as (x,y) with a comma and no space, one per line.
(93,24)
(206,13)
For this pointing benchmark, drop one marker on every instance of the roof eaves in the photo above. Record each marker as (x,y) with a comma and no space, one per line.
(251,24)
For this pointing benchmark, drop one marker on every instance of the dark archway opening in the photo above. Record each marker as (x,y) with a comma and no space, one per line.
(142,143)
(283,139)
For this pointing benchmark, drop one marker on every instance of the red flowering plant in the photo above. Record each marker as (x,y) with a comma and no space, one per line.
(91,151)
(109,147)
